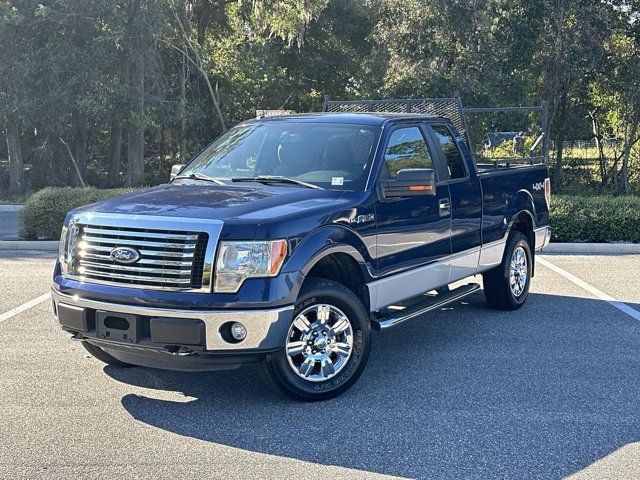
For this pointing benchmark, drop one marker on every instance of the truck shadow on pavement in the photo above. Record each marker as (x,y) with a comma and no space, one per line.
(467,392)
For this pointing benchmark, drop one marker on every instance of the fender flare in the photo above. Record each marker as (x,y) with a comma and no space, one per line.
(523,203)
(326,241)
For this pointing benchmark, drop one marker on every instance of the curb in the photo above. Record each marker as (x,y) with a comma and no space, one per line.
(42,246)
(592,248)
(10,208)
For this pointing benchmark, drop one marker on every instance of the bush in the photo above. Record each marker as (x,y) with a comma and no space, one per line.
(45,211)
(574,218)
(599,219)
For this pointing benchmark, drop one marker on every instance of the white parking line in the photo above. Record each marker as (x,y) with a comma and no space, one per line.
(25,306)
(591,289)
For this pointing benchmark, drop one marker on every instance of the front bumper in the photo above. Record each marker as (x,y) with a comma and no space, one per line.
(198,331)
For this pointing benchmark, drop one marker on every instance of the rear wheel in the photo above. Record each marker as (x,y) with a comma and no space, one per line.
(327,345)
(103,356)
(506,287)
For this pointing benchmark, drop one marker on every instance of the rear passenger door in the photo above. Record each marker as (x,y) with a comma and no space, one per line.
(466,201)
(413,237)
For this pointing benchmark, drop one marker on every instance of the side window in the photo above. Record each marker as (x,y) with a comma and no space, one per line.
(452,154)
(406,149)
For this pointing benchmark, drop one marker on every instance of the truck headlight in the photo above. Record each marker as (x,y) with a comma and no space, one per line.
(238,261)
(62,250)
(67,247)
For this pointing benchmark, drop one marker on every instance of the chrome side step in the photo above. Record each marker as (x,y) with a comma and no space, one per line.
(429,305)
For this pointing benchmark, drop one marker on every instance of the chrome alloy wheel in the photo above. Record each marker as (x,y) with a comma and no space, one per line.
(319,342)
(518,271)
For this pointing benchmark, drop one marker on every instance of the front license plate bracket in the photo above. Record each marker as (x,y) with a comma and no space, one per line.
(121,327)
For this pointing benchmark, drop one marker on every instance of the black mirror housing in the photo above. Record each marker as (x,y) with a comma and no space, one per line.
(411,182)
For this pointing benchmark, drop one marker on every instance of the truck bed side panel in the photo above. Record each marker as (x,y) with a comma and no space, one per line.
(508,192)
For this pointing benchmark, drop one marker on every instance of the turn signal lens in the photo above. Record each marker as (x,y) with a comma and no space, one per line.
(278,254)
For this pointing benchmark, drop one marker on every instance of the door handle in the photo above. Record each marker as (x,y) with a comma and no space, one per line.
(445,207)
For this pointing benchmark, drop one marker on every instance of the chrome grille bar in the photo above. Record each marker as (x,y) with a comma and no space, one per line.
(128,268)
(141,243)
(142,261)
(136,278)
(143,252)
(123,233)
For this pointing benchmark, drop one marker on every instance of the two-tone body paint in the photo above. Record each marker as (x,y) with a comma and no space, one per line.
(405,241)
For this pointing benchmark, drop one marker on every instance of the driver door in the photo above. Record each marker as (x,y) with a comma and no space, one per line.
(413,243)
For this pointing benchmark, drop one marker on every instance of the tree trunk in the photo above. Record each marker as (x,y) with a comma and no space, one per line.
(624,174)
(135,130)
(116,151)
(79,145)
(597,135)
(560,140)
(16,165)
(183,108)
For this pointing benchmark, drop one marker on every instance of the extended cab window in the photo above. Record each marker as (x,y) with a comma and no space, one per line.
(452,155)
(406,149)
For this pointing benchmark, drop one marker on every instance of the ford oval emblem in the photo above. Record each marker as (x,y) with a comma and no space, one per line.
(125,255)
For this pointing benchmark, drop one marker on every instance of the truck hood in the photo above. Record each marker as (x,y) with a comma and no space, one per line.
(236,203)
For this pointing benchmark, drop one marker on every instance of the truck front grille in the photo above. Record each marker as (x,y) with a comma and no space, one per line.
(168,259)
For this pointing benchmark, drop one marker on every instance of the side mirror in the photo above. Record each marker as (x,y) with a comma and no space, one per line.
(411,182)
(175,170)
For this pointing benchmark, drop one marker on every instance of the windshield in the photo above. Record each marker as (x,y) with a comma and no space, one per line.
(328,155)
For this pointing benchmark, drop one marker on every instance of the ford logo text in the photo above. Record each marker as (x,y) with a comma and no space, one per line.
(124,255)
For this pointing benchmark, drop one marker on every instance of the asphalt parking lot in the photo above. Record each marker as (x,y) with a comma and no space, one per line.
(549,391)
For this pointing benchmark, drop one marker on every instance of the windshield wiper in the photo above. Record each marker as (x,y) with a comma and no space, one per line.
(200,176)
(276,179)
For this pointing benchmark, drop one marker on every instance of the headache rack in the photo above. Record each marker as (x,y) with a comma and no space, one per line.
(452,109)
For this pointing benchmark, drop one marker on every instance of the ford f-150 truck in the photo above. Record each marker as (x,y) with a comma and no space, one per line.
(288,239)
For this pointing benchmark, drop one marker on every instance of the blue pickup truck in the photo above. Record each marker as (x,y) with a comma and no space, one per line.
(288,239)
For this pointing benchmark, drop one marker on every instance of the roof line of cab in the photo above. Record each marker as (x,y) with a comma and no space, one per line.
(364,118)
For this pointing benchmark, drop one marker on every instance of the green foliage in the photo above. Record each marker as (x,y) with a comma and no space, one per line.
(595,218)
(45,211)
(102,74)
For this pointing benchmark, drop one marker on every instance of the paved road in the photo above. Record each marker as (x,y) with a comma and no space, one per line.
(546,392)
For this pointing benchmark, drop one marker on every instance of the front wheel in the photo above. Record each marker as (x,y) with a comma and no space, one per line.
(327,345)
(506,287)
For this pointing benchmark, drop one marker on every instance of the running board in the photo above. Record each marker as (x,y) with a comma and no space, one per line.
(429,305)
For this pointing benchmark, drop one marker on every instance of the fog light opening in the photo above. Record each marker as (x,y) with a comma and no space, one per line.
(238,331)
(233,332)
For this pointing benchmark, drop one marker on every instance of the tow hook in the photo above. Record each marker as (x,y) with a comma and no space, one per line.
(75,338)
(179,351)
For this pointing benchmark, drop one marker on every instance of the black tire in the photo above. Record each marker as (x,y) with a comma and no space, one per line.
(497,286)
(276,366)
(100,354)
